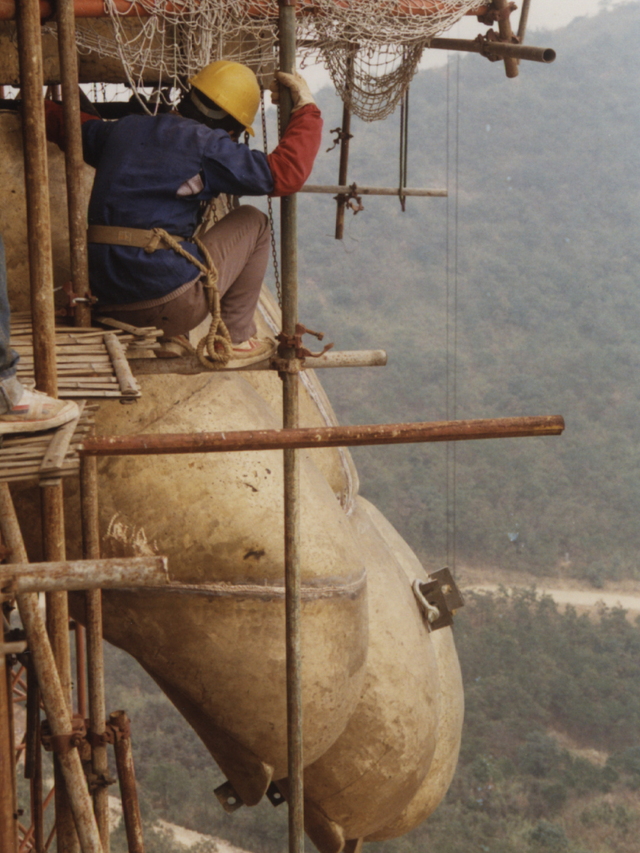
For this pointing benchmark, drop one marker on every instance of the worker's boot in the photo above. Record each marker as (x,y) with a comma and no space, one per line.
(23,410)
(250,352)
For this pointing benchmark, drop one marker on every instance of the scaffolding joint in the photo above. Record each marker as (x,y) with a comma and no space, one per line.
(485,40)
(493,15)
(63,744)
(294,342)
(341,136)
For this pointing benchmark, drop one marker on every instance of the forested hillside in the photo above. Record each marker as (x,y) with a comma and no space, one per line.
(547,307)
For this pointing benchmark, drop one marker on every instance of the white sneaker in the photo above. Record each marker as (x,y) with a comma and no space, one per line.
(36,411)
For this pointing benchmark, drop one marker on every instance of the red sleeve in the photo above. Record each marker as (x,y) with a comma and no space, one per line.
(55,123)
(292,161)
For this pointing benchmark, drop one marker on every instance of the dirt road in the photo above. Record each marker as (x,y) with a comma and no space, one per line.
(581,596)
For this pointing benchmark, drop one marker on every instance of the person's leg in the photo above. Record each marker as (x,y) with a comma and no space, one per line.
(22,410)
(10,389)
(239,248)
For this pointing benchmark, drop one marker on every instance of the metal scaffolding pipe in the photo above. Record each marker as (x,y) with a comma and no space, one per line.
(189,364)
(74,160)
(497,48)
(506,34)
(311,437)
(121,728)
(129,8)
(53,695)
(8,822)
(37,196)
(290,419)
(112,573)
(344,189)
(95,652)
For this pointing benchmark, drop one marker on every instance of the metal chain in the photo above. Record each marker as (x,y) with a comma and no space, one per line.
(274,250)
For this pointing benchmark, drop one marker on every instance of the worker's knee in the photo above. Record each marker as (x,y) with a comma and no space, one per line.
(257,218)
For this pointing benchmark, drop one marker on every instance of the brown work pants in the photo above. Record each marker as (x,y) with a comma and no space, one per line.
(239,249)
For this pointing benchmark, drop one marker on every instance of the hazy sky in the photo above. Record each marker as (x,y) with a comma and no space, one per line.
(543,15)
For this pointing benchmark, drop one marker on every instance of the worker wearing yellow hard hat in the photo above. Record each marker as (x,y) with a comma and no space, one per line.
(155,174)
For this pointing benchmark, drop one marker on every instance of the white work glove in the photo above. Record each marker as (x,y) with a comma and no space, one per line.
(297,85)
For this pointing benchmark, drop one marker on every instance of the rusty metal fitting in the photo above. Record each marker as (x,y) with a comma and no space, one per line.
(120,726)
(62,744)
(287,365)
(95,739)
(351,199)
(294,342)
(485,40)
(341,136)
(96,782)
(492,15)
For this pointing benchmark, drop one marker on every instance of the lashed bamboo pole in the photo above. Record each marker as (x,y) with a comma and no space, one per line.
(311,437)
(290,387)
(53,695)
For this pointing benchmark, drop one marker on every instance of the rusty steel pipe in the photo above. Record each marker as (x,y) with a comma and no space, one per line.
(121,726)
(37,195)
(81,671)
(8,826)
(516,51)
(291,462)
(506,34)
(63,576)
(345,189)
(58,628)
(128,8)
(54,697)
(309,437)
(74,160)
(95,652)
(189,364)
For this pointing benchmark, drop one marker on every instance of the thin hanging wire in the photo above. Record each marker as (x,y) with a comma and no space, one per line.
(451,333)
(404,147)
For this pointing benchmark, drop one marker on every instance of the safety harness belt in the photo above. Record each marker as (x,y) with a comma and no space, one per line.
(136,237)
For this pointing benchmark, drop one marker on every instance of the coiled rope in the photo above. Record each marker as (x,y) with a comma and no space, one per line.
(217,341)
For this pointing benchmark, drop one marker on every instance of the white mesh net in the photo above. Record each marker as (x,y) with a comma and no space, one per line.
(370,47)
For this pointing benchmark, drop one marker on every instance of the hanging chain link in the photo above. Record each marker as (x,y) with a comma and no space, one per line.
(274,251)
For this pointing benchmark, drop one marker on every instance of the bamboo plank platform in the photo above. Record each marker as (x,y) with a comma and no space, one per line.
(92,362)
(45,456)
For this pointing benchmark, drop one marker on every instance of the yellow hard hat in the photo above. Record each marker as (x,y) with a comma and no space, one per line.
(233,87)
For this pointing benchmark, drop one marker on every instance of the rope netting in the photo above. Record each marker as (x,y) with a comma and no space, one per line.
(371,48)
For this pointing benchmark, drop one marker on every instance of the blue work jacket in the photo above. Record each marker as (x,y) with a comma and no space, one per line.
(141,162)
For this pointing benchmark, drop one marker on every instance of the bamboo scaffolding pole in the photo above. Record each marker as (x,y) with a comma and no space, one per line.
(345,189)
(112,573)
(189,364)
(340,436)
(54,696)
